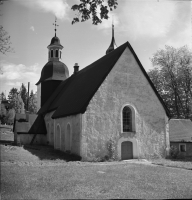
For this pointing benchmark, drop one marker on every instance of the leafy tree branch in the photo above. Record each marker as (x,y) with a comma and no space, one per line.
(96,10)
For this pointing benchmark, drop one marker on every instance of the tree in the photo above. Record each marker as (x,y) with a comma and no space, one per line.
(4,39)
(32,103)
(2,96)
(172,77)
(12,98)
(97,10)
(24,95)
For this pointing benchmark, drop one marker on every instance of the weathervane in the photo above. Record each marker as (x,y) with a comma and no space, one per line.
(55,24)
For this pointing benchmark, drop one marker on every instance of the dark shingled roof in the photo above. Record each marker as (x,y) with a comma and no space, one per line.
(38,126)
(74,94)
(54,70)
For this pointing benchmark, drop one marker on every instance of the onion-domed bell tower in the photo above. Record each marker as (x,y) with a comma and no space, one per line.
(53,73)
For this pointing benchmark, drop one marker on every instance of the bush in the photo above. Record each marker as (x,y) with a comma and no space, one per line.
(3,119)
(111,150)
(174,152)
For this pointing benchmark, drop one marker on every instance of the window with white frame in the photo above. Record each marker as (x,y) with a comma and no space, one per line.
(127,119)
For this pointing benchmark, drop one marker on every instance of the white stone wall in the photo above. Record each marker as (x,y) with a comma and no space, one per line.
(27,138)
(23,127)
(125,85)
(70,141)
(65,141)
(49,123)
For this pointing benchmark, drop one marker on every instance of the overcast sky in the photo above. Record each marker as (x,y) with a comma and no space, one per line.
(148,25)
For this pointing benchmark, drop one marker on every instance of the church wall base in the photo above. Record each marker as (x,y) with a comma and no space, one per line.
(24,138)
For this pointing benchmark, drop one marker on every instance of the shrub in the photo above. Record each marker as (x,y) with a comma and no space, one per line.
(111,150)
(174,152)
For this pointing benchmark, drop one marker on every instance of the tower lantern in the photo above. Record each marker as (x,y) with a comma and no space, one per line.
(55,47)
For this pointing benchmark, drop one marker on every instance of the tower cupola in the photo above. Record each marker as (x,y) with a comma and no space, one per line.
(55,47)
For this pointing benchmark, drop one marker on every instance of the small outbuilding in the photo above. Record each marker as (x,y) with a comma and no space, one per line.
(180,134)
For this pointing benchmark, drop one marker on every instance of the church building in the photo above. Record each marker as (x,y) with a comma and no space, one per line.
(109,107)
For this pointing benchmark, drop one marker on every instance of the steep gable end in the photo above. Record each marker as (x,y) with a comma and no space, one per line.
(149,80)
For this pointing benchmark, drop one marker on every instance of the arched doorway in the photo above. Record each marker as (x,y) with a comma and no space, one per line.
(126,150)
(58,136)
(52,135)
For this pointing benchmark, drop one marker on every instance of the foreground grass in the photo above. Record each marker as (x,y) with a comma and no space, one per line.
(182,163)
(39,172)
(29,173)
(6,133)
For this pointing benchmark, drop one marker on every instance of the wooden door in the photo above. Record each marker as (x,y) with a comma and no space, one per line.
(126,150)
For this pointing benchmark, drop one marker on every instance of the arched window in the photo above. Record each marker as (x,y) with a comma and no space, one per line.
(52,135)
(58,136)
(48,133)
(68,138)
(127,119)
(56,54)
(51,53)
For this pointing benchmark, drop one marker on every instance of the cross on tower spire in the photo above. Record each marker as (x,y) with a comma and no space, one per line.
(55,24)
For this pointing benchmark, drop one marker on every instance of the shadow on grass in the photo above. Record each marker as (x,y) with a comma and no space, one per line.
(185,159)
(49,153)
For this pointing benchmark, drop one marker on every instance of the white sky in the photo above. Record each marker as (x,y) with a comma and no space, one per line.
(146,24)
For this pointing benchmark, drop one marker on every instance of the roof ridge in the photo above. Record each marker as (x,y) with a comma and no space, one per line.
(74,96)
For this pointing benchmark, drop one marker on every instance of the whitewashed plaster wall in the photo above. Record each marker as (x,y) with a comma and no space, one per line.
(27,138)
(125,85)
(75,132)
(49,122)
(21,135)
(71,143)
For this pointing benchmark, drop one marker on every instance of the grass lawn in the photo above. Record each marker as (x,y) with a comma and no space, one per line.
(39,172)
(6,133)
(182,163)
